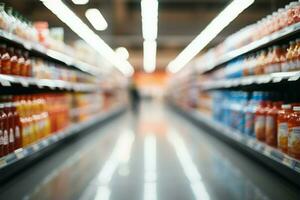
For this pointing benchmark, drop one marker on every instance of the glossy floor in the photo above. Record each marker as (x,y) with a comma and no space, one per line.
(156,154)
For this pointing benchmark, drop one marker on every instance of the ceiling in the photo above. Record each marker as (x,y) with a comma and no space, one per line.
(179,22)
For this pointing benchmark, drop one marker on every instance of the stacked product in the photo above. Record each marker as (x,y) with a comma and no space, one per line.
(278,58)
(270,117)
(17,62)
(278,20)
(26,119)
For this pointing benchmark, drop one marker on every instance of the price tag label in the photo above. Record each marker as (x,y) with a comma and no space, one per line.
(35,147)
(3,162)
(19,153)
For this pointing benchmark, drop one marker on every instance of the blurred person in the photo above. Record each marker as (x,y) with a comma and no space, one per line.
(134,98)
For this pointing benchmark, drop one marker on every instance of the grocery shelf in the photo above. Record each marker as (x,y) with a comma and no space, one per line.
(15,160)
(267,40)
(9,81)
(49,53)
(281,162)
(251,80)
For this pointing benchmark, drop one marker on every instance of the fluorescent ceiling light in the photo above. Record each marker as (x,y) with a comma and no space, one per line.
(82,30)
(149,28)
(80,2)
(149,19)
(149,56)
(96,19)
(209,33)
(122,53)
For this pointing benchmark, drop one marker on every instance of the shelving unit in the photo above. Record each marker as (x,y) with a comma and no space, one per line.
(42,51)
(263,42)
(251,80)
(24,156)
(281,162)
(27,82)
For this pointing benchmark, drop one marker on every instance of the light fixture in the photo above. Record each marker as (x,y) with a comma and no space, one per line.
(149,56)
(122,53)
(82,30)
(96,19)
(149,28)
(80,2)
(209,33)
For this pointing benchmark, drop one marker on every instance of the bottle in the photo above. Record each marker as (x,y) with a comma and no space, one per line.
(4,119)
(10,121)
(17,125)
(1,134)
(271,124)
(294,133)
(282,126)
(5,60)
(260,119)
(14,65)
(27,69)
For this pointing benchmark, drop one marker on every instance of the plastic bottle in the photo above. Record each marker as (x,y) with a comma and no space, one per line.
(282,126)
(17,125)
(271,124)
(5,61)
(294,133)
(5,130)
(260,118)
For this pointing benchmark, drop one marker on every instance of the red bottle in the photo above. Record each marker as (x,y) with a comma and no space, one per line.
(17,126)
(5,61)
(14,65)
(10,121)
(4,120)
(271,124)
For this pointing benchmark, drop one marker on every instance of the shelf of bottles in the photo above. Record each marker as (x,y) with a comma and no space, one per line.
(48,90)
(249,94)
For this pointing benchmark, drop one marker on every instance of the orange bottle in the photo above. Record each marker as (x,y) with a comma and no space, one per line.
(5,62)
(282,126)
(271,124)
(294,133)
(4,120)
(260,120)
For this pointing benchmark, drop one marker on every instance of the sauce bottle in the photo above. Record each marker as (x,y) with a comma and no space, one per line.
(1,134)
(5,61)
(260,120)
(271,124)
(10,118)
(27,70)
(14,65)
(17,125)
(4,119)
(282,127)
(294,133)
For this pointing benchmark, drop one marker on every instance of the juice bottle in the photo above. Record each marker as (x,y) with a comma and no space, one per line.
(10,120)
(14,65)
(283,58)
(1,134)
(260,119)
(4,119)
(282,127)
(294,133)
(5,61)
(271,124)
(17,125)
(21,63)
(290,56)
(27,69)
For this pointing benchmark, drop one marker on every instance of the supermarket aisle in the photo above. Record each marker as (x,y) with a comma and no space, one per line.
(155,155)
